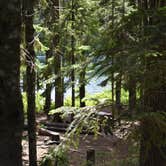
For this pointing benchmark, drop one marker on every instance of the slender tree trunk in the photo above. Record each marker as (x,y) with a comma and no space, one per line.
(62,87)
(31,77)
(118,95)
(112,74)
(48,87)
(82,88)
(47,98)
(132,94)
(24,83)
(37,82)
(118,91)
(58,82)
(73,57)
(11,110)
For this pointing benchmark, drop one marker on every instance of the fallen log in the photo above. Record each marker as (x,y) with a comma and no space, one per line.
(56,124)
(45,132)
(56,129)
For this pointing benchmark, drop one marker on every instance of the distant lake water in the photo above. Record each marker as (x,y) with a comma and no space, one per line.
(91,88)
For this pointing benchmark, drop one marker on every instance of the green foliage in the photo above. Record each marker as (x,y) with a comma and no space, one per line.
(40,100)
(68,102)
(132,158)
(113,158)
(153,125)
(105,96)
(111,38)
(85,119)
(39,46)
(56,156)
(99,98)
(24,99)
(65,111)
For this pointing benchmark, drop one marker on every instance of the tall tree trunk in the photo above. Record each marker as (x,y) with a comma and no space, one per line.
(153,149)
(112,74)
(132,94)
(118,91)
(56,52)
(118,95)
(48,86)
(31,76)
(47,98)
(11,109)
(73,56)
(57,58)
(153,135)
(37,82)
(58,82)
(82,88)
(62,86)
(24,85)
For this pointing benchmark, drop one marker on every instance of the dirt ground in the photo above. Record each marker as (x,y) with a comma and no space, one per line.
(106,148)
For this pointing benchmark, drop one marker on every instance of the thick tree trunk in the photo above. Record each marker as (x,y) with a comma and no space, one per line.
(29,35)
(56,53)
(58,82)
(153,135)
(11,109)
(153,149)
(82,88)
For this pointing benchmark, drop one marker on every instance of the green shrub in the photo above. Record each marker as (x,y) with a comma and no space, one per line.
(40,101)
(56,156)
(94,99)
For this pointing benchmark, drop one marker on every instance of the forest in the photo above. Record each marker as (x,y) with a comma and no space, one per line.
(83,82)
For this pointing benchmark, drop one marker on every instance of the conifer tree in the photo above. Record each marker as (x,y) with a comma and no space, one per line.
(31,77)
(11,119)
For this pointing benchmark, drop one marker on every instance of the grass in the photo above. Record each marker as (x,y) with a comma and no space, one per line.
(93,99)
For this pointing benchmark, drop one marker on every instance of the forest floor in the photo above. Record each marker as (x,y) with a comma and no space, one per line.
(108,148)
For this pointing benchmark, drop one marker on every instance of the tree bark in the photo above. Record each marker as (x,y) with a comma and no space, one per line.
(82,88)
(11,109)
(132,94)
(112,73)
(57,58)
(48,87)
(118,91)
(73,56)
(56,53)
(152,151)
(31,79)
(153,135)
